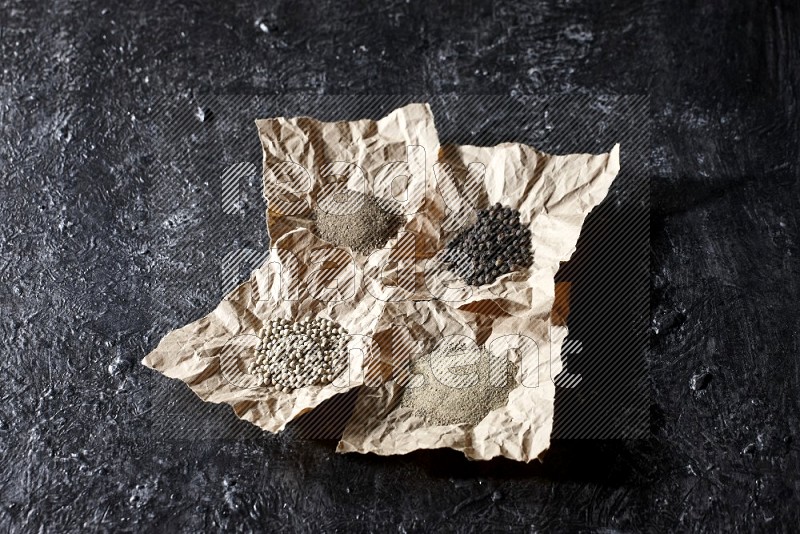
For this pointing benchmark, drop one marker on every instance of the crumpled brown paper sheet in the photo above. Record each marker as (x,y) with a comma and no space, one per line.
(393,314)
(554,194)
(210,355)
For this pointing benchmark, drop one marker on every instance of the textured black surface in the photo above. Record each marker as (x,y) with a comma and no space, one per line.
(78,257)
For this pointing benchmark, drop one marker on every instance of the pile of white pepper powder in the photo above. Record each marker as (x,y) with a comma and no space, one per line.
(461,385)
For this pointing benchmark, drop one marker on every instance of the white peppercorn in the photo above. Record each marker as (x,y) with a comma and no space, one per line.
(290,356)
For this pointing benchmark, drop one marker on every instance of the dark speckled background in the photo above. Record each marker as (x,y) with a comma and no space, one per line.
(78,309)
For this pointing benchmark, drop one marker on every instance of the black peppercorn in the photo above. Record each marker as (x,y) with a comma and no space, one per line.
(495,245)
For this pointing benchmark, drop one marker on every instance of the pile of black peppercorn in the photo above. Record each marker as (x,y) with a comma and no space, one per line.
(495,245)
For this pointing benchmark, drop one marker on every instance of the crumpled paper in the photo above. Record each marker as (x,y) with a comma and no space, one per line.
(553,194)
(399,302)
(211,355)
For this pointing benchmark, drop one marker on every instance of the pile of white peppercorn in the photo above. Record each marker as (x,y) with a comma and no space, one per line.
(495,245)
(295,355)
